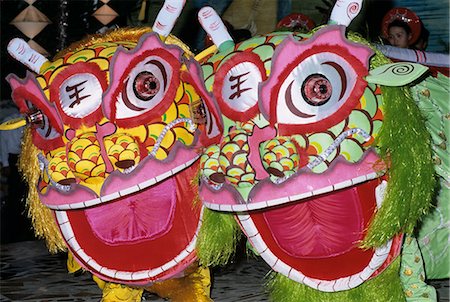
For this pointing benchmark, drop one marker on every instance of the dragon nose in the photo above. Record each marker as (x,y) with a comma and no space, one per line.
(280,158)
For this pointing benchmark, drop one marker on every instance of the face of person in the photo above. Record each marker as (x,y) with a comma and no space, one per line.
(398,37)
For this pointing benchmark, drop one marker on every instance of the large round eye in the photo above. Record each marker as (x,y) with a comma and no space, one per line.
(41,124)
(47,127)
(80,95)
(315,89)
(236,87)
(144,88)
(77,93)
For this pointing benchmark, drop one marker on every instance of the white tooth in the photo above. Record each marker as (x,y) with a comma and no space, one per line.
(277,201)
(212,206)
(155,272)
(313,283)
(147,183)
(359,179)
(341,284)
(323,190)
(281,267)
(342,185)
(110,197)
(164,176)
(92,202)
(354,281)
(169,265)
(380,192)
(129,190)
(269,257)
(326,286)
(296,276)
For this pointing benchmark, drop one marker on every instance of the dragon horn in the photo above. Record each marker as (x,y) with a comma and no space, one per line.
(22,52)
(344,11)
(167,17)
(214,27)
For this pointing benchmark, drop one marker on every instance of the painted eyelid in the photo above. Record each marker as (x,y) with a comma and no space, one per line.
(342,75)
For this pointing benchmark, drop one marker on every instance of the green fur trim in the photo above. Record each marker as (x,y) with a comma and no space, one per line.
(386,287)
(217,238)
(404,143)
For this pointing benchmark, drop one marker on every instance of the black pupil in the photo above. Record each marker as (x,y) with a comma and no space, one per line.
(146,85)
(323,89)
(316,89)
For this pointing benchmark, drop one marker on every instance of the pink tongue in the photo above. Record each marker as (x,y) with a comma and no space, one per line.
(144,215)
(321,227)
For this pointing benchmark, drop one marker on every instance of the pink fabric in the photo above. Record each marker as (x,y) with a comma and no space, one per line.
(136,217)
(322,227)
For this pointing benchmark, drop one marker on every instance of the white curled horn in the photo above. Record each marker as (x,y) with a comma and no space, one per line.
(22,52)
(167,16)
(214,27)
(344,11)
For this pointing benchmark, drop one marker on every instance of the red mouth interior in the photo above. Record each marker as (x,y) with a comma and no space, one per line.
(319,236)
(128,235)
(135,217)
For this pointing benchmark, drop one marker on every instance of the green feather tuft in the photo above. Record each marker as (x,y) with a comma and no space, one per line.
(386,287)
(217,239)
(404,143)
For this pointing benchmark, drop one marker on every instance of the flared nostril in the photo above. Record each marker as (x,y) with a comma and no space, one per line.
(67,181)
(125,164)
(275,172)
(217,177)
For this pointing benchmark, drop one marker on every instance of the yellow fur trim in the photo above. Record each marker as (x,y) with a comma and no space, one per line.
(194,286)
(42,218)
(72,264)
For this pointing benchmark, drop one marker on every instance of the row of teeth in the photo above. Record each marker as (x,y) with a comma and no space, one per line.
(273,202)
(379,257)
(124,192)
(68,233)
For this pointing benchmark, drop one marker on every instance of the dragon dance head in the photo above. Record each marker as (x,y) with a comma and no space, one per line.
(321,150)
(111,150)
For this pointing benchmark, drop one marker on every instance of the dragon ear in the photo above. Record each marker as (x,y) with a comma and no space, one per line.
(396,74)
(167,17)
(22,52)
(344,11)
(214,27)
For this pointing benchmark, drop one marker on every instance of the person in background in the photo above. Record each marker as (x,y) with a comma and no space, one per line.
(422,42)
(401,27)
(399,34)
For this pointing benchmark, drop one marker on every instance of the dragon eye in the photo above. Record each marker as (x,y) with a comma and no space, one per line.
(316,90)
(236,86)
(146,86)
(314,83)
(41,123)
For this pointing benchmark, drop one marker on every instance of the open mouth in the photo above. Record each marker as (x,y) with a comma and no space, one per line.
(138,238)
(314,241)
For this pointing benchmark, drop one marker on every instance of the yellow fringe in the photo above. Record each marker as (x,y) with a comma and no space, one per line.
(128,34)
(42,219)
(194,286)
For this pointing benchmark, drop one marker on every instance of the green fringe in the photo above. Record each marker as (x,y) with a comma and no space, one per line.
(386,287)
(405,144)
(217,239)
